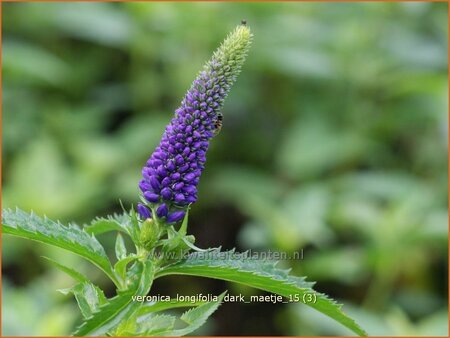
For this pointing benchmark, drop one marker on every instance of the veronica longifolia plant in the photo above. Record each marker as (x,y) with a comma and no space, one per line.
(161,245)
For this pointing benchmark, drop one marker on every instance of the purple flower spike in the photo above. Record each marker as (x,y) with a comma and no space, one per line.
(171,175)
(143,211)
(175,216)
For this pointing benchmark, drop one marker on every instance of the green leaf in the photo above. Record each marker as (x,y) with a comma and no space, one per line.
(196,317)
(263,275)
(125,223)
(71,272)
(122,306)
(71,238)
(101,225)
(127,327)
(121,250)
(183,229)
(121,266)
(132,226)
(101,321)
(89,298)
(155,325)
(161,325)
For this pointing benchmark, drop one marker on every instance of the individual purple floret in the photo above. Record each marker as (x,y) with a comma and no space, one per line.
(143,211)
(171,175)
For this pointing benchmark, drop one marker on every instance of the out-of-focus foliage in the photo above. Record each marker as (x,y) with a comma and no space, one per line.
(334,141)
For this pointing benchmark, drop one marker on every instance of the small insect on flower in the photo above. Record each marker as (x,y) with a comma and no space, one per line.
(218,124)
(244,22)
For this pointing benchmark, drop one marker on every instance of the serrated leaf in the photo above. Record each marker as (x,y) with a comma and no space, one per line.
(71,237)
(126,327)
(89,298)
(100,322)
(71,272)
(133,226)
(155,325)
(121,250)
(101,225)
(196,317)
(240,268)
(120,307)
(125,223)
(121,266)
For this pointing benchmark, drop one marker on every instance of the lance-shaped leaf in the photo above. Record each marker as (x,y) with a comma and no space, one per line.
(71,237)
(155,325)
(121,266)
(88,296)
(114,222)
(78,276)
(263,275)
(121,250)
(196,317)
(162,325)
(109,316)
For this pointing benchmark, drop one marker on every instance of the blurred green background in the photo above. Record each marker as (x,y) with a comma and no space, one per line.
(334,142)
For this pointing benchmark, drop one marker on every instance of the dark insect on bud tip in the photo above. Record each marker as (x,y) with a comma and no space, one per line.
(244,22)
